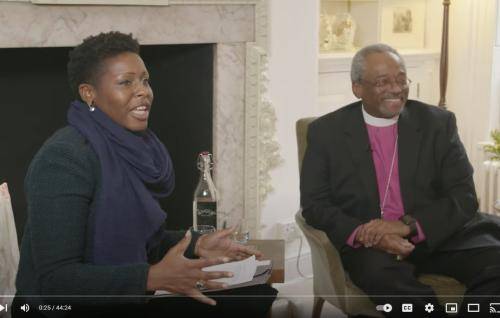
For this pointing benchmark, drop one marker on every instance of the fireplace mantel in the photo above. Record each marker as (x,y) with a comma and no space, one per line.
(244,119)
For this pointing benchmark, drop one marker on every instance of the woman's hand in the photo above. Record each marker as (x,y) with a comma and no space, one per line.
(180,275)
(220,244)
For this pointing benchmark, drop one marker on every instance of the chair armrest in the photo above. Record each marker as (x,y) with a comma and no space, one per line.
(325,257)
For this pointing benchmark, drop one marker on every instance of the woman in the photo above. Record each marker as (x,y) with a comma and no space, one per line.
(94,222)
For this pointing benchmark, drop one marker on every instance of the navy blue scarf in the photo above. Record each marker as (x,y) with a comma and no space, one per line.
(136,170)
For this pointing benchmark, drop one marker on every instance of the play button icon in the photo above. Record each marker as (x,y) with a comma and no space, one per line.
(2,307)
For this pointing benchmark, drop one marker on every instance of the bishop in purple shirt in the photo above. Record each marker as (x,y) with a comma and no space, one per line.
(389,182)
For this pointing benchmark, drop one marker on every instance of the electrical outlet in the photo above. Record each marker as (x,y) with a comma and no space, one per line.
(288,231)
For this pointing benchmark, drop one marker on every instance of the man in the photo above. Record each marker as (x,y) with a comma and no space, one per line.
(389,181)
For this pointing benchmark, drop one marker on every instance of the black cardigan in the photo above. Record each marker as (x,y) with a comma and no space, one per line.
(60,185)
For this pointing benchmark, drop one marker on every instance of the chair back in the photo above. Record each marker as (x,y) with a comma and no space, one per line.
(301,127)
(330,280)
(324,258)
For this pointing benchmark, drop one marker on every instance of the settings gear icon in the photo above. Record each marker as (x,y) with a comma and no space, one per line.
(429,308)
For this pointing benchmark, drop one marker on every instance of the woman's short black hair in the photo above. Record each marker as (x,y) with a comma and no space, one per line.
(85,60)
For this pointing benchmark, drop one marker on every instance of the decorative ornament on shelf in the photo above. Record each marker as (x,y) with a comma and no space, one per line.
(326,34)
(344,30)
(494,149)
(337,31)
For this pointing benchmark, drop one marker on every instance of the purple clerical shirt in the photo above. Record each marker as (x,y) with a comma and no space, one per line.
(382,135)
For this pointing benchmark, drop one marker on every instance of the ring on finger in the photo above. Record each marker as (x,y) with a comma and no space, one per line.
(200,284)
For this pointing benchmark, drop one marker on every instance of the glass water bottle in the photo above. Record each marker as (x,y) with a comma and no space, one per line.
(205,195)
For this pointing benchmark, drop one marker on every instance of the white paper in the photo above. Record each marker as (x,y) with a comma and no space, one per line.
(266,262)
(243,271)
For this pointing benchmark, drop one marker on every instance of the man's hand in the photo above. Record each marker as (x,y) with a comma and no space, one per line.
(395,244)
(372,232)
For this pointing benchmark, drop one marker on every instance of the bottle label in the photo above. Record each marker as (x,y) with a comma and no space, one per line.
(206,213)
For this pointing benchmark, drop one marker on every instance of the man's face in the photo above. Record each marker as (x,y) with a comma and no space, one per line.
(384,85)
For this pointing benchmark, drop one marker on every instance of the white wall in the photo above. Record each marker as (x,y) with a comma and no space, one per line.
(293,75)
(434,24)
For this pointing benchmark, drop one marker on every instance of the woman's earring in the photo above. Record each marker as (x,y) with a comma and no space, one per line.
(91,106)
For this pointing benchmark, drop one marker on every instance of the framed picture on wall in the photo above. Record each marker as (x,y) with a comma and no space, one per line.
(402,23)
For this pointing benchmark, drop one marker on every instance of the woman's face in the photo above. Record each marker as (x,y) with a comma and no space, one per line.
(122,91)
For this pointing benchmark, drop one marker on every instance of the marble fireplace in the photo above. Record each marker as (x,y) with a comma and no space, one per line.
(243,119)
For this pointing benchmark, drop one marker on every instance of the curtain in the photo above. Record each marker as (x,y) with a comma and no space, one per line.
(472,40)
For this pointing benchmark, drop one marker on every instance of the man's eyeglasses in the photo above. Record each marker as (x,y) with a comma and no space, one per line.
(385,83)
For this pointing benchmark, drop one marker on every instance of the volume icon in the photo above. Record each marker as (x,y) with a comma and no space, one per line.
(25,308)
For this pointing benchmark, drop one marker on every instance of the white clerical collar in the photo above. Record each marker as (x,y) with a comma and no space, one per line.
(378,122)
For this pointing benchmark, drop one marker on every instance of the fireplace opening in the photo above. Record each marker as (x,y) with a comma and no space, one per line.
(35,97)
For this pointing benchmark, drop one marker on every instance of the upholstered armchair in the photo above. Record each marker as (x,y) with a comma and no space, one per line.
(331,283)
